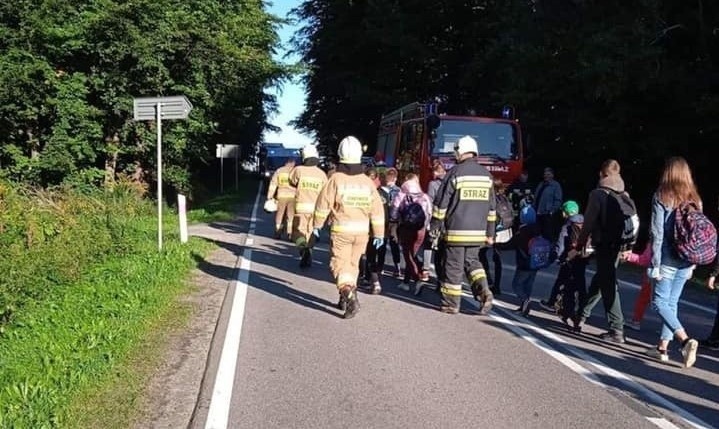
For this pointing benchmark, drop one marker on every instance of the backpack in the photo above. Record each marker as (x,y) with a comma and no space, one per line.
(622,227)
(412,215)
(695,237)
(539,250)
(505,214)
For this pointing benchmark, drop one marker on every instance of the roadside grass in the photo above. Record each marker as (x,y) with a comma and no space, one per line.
(89,338)
(219,208)
(86,301)
(211,206)
(117,399)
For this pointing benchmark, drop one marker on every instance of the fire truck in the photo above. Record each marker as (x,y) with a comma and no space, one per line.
(412,137)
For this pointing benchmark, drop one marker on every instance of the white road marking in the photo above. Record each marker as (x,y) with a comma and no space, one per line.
(662,423)
(648,394)
(219,412)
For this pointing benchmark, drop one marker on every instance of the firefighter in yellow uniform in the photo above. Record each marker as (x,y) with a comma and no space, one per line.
(309,180)
(464,215)
(351,202)
(280,183)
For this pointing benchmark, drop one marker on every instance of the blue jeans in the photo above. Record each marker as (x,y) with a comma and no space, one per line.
(665,298)
(523,282)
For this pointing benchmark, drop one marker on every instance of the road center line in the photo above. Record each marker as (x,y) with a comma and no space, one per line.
(219,412)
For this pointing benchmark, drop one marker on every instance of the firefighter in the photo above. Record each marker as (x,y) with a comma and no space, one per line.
(463,215)
(280,183)
(308,179)
(351,202)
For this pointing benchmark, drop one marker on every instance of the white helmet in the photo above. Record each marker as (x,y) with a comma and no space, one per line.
(270,206)
(350,151)
(466,144)
(310,151)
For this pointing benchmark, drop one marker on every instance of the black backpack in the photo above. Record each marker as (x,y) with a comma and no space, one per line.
(621,222)
(412,215)
(505,214)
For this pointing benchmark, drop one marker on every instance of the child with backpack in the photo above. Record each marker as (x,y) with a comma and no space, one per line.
(570,288)
(411,211)
(645,294)
(533,252)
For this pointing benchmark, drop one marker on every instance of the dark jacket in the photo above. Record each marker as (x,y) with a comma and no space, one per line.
(564,243)
(594,221)
(520,243)
(464,207)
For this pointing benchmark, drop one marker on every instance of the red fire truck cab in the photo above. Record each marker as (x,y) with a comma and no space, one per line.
(412,137)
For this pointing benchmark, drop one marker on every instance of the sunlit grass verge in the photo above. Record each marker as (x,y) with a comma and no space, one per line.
(82,334)
(220,208)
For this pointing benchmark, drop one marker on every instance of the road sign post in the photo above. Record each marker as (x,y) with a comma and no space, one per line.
(156,109)
(223,151)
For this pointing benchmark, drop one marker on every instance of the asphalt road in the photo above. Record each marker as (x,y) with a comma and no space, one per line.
(402,363)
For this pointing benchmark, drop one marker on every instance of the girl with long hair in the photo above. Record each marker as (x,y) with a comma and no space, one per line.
(668,271)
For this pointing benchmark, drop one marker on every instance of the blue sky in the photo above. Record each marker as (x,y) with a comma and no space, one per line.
(291,96)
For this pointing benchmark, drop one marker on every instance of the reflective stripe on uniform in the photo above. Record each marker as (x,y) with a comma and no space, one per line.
(460,179)
(454,236)
(438,213)
(477,274)
(378,222)
(492,216)
(351,227)
(344,279)
(284,194)
(304,208)
(450,289)
(482,182)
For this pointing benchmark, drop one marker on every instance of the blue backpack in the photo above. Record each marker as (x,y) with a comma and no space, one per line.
(540,253)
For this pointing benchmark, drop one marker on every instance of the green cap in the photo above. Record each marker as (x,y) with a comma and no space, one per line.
(570,208)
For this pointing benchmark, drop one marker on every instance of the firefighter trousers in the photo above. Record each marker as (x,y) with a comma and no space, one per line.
(302,230)
(461,262)
(285,207)
(345,253)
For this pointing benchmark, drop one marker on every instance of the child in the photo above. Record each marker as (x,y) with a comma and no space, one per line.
(526,271)
(571,282)
(411,227)
(389,191)
(429,255)
(645,294)
(572,226)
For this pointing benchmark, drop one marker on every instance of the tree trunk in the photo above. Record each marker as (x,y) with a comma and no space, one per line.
(33,143)
(111,155)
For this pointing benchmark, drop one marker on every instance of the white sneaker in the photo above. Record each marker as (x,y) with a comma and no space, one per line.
(633,325)
(403,286)
(654,352)
(689,351)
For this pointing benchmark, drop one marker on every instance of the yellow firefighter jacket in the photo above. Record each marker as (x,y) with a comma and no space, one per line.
(352,204)
(280,182)
(308,180)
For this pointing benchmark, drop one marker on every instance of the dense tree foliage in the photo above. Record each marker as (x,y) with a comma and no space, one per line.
(636,79)
(69,71)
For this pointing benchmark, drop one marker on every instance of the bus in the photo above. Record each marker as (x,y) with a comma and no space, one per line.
(412,137)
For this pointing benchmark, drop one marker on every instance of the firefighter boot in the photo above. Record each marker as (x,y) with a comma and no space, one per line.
(342,303)
(349,294)
(483,294)
(450,303)
(306,258)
